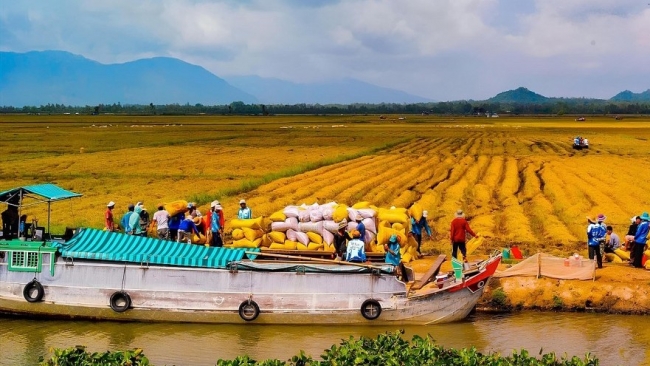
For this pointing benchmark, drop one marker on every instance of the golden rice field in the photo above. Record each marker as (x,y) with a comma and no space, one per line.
(518,179)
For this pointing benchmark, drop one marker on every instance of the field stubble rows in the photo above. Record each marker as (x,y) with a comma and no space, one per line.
(519,181)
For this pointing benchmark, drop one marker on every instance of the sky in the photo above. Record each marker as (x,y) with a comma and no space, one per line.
(437,49)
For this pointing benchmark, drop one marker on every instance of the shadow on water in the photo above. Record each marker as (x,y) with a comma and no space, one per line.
(615,339)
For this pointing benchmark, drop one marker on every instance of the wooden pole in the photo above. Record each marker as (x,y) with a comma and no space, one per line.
(315,259)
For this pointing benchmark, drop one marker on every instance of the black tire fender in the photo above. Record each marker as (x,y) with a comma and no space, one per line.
(371,309)
(33,291)
(120,301)
(249,310)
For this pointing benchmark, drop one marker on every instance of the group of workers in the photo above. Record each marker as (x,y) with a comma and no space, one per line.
(180,227)
(602,239)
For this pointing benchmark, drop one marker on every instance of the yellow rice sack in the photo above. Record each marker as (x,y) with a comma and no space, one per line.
(266,241)
(198,239)
(362,204)
(340,213)
(377,248)
(647,253)
(249,223)
(252,234)
(472,245)
(385,233)
(278,216)
(416,211)
(314,246)
(277,246)
(647,264)
(315,238)
(290,245)
(237,234)
(384,223)
(329,248)
(406,258)
(301,246)
(176,207)
(245,243)
(392,216)
(613,258)
(399,227)
(623,254)
(278,236)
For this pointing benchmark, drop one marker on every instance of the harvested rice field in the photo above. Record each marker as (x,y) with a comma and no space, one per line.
(518,179)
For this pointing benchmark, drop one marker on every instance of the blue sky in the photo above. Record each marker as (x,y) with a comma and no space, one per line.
(439,49)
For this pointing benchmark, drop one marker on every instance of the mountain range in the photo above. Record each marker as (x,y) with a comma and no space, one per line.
(58,77)
(522,95)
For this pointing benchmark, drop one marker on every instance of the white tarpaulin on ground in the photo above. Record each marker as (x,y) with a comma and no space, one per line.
(546,265)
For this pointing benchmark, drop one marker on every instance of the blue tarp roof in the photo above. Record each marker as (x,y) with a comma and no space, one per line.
(50,192)
(109,246)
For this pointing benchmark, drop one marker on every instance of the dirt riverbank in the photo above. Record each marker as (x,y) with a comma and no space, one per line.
(618,288)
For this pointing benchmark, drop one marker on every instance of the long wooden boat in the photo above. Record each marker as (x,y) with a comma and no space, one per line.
(113,276)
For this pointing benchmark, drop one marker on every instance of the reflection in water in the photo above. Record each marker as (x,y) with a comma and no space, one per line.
(615,339)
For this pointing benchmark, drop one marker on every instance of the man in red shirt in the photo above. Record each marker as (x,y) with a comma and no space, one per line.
(459,229)
(108,217)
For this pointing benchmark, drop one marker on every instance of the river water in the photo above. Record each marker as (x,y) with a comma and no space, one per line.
(615,339)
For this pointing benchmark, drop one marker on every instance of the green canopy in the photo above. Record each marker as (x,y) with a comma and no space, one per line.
(43,192)
(111,246)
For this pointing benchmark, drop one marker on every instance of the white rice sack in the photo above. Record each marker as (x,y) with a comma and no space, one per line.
(328,213)
(304,216)
(352,226)
(314,206)
(280,226)
(304,206)
(328,238)
(293,223)
(370,225)
(331,205)
(291,211)
(370,237)
(302,238)
(331,226)
(314,227)
(315,216)
(291,235)
(352,214)
(367,212)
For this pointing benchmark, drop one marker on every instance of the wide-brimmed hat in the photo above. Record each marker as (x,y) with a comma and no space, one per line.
(645,216)
(459,213)
(139,204)
(110,204)
(425,213)
(601,217)
(242,201)
(218,207)
(358,217)
(342,225)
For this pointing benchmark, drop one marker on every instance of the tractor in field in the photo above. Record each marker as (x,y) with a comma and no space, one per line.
(580,143)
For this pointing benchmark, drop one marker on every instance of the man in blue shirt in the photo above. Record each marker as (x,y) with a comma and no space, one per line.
(125,219)
(641,239)
(356,251)
(417,226)
(215,225)
(244,212)
(186,229)
(596,232)
(361,227)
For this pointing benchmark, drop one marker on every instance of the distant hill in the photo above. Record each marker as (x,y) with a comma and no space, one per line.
(346,91)
(628,96)
(519,95)
(37,78)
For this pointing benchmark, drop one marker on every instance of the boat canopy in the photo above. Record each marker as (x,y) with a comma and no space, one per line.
(110,246)
(41,192)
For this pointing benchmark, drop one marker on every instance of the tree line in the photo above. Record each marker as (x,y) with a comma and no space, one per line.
(554,107)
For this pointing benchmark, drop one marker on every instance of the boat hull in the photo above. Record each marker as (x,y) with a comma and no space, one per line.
(204,295)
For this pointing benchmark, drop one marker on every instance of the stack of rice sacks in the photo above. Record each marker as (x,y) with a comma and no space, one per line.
(395,221)
(313,227)
(248,233)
